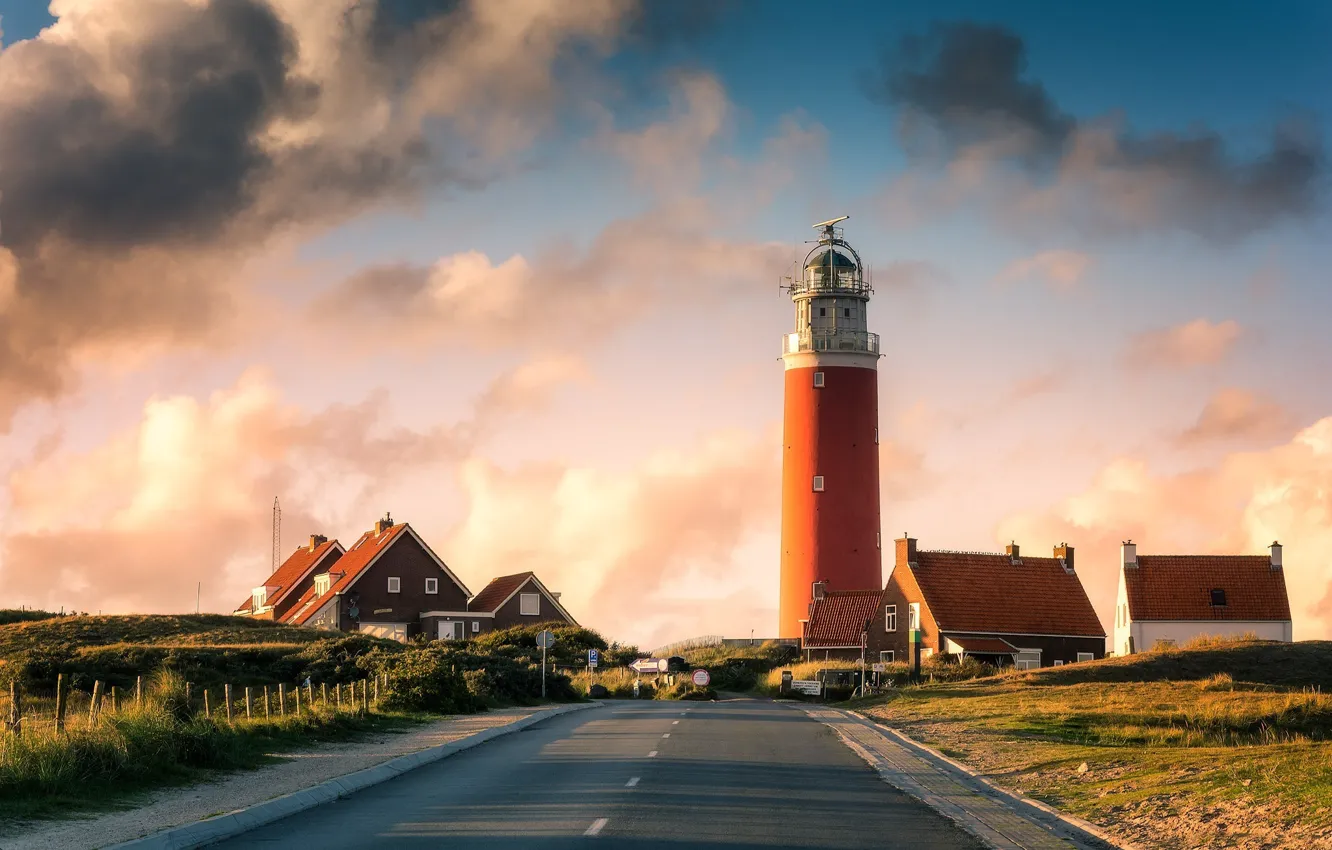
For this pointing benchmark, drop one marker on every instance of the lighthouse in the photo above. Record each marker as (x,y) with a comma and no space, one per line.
(830,440)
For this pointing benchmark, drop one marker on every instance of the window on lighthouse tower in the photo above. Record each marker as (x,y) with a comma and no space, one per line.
(818,483)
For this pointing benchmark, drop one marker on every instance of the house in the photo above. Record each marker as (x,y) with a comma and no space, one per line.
(273,599)
(382,585)
(837,624)
(1171,599)
(516,600)
(998,608)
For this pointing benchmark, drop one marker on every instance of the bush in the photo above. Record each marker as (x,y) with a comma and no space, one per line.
(426,680)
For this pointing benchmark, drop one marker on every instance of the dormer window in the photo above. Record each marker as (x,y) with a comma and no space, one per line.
(322,583)
(1218,598)
(260,596)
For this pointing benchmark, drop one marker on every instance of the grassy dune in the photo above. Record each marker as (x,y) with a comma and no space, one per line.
(1226,744)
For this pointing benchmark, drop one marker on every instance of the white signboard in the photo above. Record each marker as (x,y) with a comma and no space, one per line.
(807,686)
(879,667)
(649,665)
(701,678)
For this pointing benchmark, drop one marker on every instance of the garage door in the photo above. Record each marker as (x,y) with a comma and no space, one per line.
(397,631)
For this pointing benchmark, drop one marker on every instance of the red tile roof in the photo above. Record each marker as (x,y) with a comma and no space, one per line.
(839,617)
(294,570)
(1178,587)
(492,596)
(985,645)
(345,571)
(977,592)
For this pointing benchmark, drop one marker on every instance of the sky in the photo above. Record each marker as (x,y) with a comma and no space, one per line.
(509,270)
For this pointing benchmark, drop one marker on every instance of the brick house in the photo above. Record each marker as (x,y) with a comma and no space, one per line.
(1171,599)
(838,623)
(280,592)
(382,585)
(998,608)
(516,600)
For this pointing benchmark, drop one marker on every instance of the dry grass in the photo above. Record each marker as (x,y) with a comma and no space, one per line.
(1182,762)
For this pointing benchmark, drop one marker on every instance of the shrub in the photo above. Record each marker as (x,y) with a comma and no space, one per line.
(426,680)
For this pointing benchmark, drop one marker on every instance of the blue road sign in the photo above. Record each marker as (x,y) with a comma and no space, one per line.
(592,658)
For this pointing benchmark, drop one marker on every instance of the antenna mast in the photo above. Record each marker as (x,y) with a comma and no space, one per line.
(277,532)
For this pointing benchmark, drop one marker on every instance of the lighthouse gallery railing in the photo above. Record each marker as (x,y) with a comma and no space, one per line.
(830,340)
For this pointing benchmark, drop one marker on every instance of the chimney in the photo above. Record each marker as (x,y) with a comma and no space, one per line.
(384,524)
(555,596)
(906,549)
(1064,553)
(1011,550)
(820,588)
(1275,549)
(1128,552)
(316,540)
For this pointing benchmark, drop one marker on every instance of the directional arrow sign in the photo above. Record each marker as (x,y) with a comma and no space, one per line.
(546,639)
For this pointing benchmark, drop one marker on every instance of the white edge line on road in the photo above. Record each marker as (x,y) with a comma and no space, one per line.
(597,826)
(667,735)
(652,754)
(632,782)
(212,830)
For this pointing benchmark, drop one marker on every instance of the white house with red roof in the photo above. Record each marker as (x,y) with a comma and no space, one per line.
(1172,599)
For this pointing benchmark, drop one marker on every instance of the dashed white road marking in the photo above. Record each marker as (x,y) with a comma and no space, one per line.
(675,723)
(632,782)
(652,754)
(597,826)
(667,735)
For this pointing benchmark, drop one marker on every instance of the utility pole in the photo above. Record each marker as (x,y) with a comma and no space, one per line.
(198,592)
(277,532)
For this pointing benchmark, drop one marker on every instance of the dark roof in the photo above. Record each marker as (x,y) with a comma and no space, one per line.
(294,570)
(839,617)
(492,596)
(1178,587)
(977,592)
(984,645)
(838,260)
(346,571)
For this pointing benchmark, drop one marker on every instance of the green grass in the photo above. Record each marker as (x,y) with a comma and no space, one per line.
(1195,735)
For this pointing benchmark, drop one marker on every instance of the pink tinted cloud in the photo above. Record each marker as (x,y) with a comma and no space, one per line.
(1061,270)
(1233,413)
(1196,343)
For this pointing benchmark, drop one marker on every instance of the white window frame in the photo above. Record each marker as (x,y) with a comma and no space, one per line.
(1058,662)
(1086,656)
(476,626)
(818,483)
(259,596)
(523,599)
(395,584)
(322,584)
(887,656)
(1029,662)
(819,380)
(913,616)
(890,618)
(432,585)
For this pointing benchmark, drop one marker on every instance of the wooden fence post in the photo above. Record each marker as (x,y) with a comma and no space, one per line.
(249,704)
(323,689)
(365,697)
(376,703)
(337,695)
(95,703)
(267,714)
(115,701)
(208,710)
(62,700)
(282,699)
(298,700)
(189,697)
(138,691)
(226,691)
(15,707)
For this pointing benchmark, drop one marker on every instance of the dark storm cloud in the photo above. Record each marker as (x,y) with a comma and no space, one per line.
(966,84)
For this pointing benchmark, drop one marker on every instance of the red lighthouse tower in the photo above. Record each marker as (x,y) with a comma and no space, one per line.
(830,456)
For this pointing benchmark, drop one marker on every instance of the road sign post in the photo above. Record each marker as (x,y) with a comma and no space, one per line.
(701,678)
(593,657)
(545,640)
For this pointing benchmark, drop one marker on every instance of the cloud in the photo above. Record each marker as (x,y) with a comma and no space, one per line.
(183,496)
(668,154)
(1196,343)
(667,530)
(1238,506)
(148,146)
(1060,270)
(964,101)
(1234,413)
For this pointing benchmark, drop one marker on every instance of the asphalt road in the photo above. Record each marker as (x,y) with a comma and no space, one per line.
(639,775)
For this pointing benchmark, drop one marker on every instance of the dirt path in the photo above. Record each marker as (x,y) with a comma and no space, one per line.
(176,806)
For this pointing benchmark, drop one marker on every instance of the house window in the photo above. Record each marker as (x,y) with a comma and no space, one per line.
(1086,656)
(890,618)
(823,311)
(818,379)
(432,585)
(260,596)
(394,584)
(846,312)
(321,584)
(476,626)
(818,483)
(529,604)
(913,618)
(1027,659)
(887,656)
(1059,663)
(1219,597)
